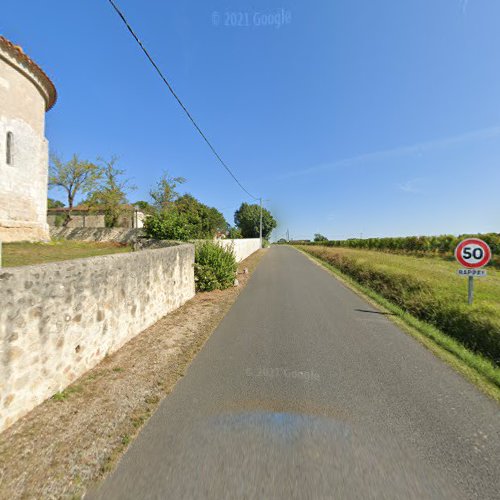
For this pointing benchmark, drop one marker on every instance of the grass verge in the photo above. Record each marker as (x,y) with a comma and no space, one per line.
(479,370)
(26,254)
(73,440)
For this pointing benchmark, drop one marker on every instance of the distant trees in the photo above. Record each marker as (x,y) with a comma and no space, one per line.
(443,244)
(110,194)
(181,217)
(319,237)
(234,233)
(145,207)
(169,215)
(164,193)
(104,184)
(247,219)
(75,177)
(51,203)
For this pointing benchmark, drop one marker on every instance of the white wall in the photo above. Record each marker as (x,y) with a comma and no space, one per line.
(242,248)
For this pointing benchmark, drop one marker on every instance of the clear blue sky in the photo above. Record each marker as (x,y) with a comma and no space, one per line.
(356,116)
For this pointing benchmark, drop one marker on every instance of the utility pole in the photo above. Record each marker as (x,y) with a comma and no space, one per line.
(260,230)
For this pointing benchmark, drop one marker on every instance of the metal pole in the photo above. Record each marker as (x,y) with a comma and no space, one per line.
(471,289)
(260,230)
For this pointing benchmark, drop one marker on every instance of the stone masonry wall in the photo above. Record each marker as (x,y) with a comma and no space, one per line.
(59,320)
(116,234)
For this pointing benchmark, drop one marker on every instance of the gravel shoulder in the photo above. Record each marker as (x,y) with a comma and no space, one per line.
(73,440)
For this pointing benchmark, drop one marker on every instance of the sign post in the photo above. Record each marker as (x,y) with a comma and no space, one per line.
(473,254)
(470,294)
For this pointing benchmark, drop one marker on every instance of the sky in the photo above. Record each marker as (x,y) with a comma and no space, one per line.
(350,117)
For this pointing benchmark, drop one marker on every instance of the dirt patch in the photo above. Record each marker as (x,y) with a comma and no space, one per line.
(73,439)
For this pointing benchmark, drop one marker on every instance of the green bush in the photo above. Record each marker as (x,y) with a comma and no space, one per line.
(215,267)
(169,225)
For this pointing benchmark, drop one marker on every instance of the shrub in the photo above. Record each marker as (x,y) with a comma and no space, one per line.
(168,225)
(215,267)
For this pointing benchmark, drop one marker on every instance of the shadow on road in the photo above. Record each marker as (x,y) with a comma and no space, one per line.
(375,312)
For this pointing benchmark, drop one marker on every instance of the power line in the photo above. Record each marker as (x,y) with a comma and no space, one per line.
(155,66)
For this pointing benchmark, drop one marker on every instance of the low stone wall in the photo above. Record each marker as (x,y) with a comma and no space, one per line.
(59,320)
(87,221)
(117,234)
(242,248)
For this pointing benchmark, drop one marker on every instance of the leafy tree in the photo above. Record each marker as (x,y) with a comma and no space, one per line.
(170,225)
(319,237)
(111,193)
(186,219)
(51,203)
(247,219)
(208,219)
(145,207)
(234,233)
(164,192)
(75,177)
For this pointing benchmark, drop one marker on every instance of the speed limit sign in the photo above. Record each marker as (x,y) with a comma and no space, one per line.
(473,254)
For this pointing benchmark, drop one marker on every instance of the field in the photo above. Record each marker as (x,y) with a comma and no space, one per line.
(25,254)
(429,289)
(441,246)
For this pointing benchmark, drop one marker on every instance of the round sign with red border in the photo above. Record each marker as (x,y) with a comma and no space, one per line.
(473,253)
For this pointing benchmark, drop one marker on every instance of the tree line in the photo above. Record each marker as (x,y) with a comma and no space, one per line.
(443,244)
(102,186)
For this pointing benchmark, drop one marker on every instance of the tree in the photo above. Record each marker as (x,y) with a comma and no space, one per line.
(111,193)
(169,225)
(51,203)
(319,237)
(247,219)
(145,207)
(208,219)
(234,233)
(164,192)
(75,177)
(186,219)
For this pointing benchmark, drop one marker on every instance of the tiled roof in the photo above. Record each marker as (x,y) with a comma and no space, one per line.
(18,53)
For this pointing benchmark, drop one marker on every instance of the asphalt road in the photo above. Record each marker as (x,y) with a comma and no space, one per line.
(306,391)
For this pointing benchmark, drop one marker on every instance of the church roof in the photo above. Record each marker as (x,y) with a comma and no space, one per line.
(23,59)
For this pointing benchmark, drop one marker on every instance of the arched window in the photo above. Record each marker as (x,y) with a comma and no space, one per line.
(9,146)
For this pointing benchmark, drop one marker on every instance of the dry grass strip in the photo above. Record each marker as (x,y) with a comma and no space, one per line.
(74,439)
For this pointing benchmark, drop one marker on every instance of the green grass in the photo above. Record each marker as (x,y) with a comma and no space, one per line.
(429,289)
(478,369)
(25,254)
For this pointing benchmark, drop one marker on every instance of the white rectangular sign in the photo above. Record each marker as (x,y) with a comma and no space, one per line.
(477,273)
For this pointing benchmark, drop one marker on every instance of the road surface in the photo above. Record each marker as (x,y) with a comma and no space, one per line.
(307,391)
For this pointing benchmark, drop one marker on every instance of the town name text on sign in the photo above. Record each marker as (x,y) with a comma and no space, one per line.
(477,273)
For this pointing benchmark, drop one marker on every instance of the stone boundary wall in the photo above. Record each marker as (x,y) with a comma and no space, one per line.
(59,320)
(243,248)
(116,234)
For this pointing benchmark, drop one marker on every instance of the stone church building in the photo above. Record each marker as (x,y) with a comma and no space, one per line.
(26,93)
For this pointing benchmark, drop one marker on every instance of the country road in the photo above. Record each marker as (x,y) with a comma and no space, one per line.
(306,391)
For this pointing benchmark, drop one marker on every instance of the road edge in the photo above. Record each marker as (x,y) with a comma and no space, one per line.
(418,329)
